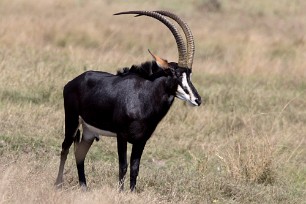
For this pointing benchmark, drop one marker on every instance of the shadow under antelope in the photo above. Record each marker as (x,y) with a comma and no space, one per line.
(128,105)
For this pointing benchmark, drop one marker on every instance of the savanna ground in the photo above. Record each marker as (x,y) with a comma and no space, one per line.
(246,144)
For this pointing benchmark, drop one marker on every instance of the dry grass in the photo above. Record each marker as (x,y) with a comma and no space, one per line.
(29,182)
(246,144)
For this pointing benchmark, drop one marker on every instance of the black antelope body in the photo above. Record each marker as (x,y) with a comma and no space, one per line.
(128,105)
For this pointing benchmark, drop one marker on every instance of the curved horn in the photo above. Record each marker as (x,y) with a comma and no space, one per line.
(188,34)
(178,38)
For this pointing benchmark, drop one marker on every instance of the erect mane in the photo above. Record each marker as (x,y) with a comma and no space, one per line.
(148,70)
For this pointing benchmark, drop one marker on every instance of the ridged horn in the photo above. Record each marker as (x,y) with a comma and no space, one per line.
(178,38)
(188,34)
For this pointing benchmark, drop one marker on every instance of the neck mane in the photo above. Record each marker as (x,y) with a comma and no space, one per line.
(148,70)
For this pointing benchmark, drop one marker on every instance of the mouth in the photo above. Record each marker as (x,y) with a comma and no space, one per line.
(191,102)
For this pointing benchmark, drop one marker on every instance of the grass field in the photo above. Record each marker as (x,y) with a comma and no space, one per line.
(245,144)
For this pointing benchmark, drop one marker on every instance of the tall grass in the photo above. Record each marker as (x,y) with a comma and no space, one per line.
(245,144)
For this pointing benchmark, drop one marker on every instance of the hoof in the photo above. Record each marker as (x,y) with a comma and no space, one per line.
(58,185)
(83,187)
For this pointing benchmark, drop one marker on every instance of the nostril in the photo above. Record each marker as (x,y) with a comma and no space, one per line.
(198,101)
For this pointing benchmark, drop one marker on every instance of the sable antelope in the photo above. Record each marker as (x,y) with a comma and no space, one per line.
(128,105)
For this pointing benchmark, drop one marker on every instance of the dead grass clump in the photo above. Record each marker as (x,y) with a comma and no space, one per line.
(250,160)
(209,6)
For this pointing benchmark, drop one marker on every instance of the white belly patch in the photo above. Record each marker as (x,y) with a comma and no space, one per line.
(90,132)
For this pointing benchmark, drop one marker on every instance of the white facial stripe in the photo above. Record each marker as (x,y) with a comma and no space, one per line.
(184,81)
(181,94)
(189,97)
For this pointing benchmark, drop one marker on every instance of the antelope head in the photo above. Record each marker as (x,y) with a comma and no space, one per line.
(182,70)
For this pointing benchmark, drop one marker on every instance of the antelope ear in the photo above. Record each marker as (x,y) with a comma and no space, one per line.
(160,62)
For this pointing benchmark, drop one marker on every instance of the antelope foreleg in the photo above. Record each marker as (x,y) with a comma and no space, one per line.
(122,146)
(137,150)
